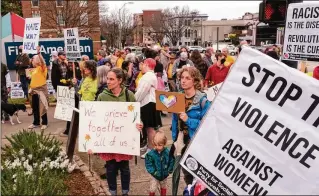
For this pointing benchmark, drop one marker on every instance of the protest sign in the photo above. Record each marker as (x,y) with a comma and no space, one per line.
(260,136)
(301,32)
(212,91)
(31,35)
(16,91)
(51,90)
(72,43)
(170,101)
(65,103)
(109,127)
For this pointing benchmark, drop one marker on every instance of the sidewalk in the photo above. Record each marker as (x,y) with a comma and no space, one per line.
(139,177)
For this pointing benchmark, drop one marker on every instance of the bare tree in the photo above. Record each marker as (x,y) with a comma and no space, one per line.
(113,22)
(175,21)
(69,14)
(110,28)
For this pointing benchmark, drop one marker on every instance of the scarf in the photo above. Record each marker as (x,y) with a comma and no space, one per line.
(42,91)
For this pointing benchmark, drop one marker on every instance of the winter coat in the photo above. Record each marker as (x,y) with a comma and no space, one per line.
(159,165)
(25,60)
(195,113)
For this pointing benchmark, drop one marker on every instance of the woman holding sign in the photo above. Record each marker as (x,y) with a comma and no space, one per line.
(39,91)
(184,125)
(116,91)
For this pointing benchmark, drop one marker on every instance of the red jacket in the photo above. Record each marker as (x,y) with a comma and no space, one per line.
(316,73)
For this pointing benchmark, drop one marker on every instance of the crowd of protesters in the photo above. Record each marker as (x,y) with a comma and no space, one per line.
(123,76)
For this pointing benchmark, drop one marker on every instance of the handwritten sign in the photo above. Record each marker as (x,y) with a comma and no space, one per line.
(72,43)
(31,35)
(212,91)
(170,101)
(16,90)
(65,103)
(109,127)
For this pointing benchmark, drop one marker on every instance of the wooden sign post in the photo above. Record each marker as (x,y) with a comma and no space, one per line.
(73,132)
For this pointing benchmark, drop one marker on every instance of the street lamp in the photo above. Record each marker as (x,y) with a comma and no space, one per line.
(120,25)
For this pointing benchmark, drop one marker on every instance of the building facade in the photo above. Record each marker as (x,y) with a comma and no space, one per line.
(58,14)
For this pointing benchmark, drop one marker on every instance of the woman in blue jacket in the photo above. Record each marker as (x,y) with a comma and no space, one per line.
(184,125)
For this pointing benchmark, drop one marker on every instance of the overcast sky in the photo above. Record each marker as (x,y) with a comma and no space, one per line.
(216,10)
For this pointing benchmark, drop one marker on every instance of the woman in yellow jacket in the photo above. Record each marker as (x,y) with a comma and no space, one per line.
(39,91)
(89,85)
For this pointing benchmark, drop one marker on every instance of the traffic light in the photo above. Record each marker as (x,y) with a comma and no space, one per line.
(273,12)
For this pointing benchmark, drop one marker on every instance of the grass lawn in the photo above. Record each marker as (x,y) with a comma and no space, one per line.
(23,100)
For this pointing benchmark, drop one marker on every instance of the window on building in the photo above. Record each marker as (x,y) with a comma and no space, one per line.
(195,34)
(83,3)
(84,19)
(59,3)
(189,33)
(35,14)
(35,3)
(185,33)
(189,22)
(60,19)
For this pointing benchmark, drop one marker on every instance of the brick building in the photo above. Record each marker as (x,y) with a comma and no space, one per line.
(143,22)
(58,14)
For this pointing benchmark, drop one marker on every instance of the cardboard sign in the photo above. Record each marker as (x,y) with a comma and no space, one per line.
(31,35)
(212,91)
(72,43)
(65,103)
(301,32)
(170,101)
(109,127)
(16,90)
(260,136)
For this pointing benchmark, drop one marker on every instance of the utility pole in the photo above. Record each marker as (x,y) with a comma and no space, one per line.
(217,34)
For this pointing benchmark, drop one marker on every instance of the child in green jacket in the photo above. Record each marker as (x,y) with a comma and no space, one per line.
(159,164)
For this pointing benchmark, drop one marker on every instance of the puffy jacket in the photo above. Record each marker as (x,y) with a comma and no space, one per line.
(159,165)
(195,114)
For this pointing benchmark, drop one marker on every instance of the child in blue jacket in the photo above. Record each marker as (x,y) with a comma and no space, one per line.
(159,164)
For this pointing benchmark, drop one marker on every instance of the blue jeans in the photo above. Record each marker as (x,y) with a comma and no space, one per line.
(24,84)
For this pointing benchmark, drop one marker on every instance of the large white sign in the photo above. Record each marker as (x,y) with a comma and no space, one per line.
(109,127)
(213,91)
(72,43)
(16,91)
(65,103)
(302,32)
(31,35)
(260,136)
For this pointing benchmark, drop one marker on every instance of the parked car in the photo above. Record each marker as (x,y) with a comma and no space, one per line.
(199,48)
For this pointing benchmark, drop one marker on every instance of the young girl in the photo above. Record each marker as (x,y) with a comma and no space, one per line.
(159,164)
